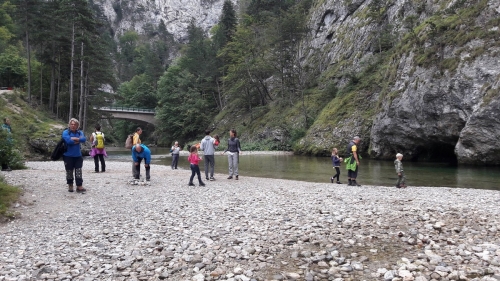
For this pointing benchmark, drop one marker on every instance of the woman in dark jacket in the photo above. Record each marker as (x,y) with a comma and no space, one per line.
(233,149)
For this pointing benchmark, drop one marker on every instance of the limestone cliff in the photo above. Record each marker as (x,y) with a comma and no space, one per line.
(434,94)
(138,14)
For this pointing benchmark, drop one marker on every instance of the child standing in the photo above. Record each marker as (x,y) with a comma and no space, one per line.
(216,140)
(194,159)
(336,165)
(399,169)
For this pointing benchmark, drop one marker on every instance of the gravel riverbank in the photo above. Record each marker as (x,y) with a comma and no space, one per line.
(250,229)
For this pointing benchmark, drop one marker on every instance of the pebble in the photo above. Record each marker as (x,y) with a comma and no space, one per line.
(253,229)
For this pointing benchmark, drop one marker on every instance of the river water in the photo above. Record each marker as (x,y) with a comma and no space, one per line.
(319,169)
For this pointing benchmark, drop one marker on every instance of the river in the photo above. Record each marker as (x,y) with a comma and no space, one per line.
(319,169)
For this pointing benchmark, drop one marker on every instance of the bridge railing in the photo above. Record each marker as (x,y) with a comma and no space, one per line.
(128,109)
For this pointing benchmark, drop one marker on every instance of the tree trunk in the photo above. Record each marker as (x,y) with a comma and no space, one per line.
(71,74)
(29,59)
(82,99)
(58,84)
(85,99)
(41,84)
(52,79)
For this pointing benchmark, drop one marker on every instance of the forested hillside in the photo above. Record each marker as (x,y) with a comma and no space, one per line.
(415,77)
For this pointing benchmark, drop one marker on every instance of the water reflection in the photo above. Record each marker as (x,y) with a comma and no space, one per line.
(319,169)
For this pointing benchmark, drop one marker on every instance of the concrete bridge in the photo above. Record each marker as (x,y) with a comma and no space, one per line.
(141,115)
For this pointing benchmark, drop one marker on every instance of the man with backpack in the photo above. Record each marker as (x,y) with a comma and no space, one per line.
(98,152)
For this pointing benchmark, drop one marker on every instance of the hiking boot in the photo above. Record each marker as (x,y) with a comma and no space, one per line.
(398,186)
(148,179)
(136,177)
(191,184)
(230,177)
(331,179)
(202,184)
(212,178)
(354,183)
(339,182)
(70,188)
(350,182)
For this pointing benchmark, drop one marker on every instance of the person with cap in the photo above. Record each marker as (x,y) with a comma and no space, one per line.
(140,152)
(353,161)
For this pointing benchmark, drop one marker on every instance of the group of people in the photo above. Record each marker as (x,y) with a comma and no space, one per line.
(73,160)
(209,145)
(352,165)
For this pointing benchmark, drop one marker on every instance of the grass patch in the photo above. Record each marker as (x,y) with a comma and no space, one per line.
(8,195)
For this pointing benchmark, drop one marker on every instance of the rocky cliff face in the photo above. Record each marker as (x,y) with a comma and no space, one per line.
(138,14)
(436,98)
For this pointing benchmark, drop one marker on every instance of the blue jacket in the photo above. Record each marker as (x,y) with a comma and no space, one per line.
(73,149)
(335,161)
(145,154)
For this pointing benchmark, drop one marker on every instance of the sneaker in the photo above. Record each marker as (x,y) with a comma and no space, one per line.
(236,178)
(339,182)
(398,186)
(148,179)
(191,184)
(96,171)
(202,184)
(331,179)
(354,183)
(230,177)
(212,178)
(137,177)
(70,188)
(207,179)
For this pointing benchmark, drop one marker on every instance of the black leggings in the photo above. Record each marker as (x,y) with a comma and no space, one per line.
(337,175)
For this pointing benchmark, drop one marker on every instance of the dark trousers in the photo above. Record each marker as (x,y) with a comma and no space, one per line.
(73,165)
(195,169)
(337,175)
(209,165)
(97,158)
(138,169)
(352,174)
(175,160)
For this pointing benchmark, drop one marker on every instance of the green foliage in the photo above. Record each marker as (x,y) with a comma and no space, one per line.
(183,112)
(138,92)
(8,195)
(12,68)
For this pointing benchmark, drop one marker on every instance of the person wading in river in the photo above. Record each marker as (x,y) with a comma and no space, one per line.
(352,161)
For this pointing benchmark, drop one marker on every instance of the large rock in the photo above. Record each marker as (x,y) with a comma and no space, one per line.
(427,111)
(176,14)
(478,143)
(429,117)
